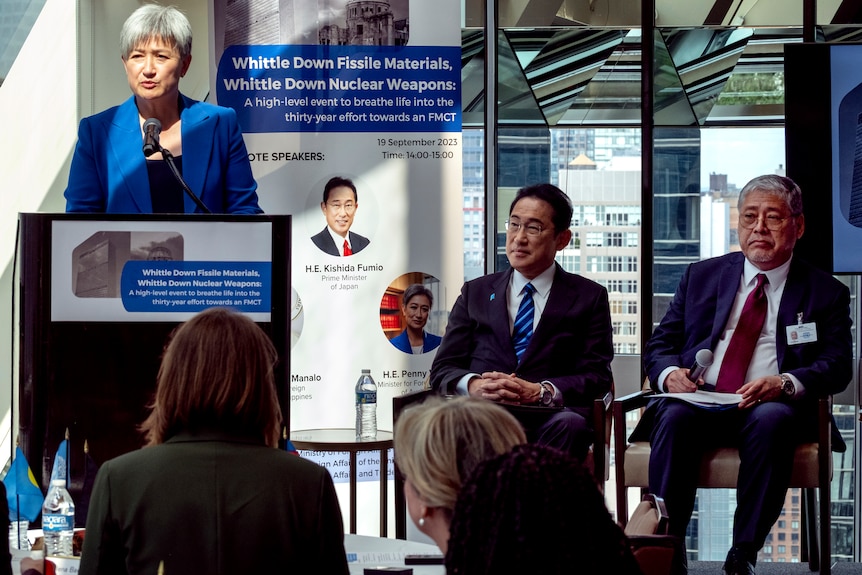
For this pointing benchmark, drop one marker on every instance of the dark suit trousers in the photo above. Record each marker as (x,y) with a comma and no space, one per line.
(565,430)
(766,437)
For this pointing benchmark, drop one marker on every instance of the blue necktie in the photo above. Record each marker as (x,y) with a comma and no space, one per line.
(523,328)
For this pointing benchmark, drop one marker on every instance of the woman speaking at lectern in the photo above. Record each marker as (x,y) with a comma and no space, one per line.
(110,172)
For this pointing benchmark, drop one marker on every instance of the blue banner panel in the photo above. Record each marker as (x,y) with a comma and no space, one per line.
(312,88)
(188,286)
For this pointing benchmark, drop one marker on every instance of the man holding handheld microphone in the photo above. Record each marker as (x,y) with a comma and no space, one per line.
(744,307)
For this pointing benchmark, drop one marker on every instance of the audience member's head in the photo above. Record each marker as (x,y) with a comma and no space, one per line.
(437,446)
(216,374)
(535,509)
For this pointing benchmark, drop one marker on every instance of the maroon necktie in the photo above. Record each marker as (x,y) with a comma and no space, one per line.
(734,366)
(347,251)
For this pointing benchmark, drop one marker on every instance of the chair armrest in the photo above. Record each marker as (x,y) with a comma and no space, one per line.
(633,400)
(622,406)
(601,435)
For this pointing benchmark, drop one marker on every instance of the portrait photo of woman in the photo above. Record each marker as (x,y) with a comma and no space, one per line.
(405,314)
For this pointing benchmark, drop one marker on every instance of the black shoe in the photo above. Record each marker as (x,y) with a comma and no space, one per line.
(737,563)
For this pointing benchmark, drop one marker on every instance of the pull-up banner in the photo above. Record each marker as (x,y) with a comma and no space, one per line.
(367,91)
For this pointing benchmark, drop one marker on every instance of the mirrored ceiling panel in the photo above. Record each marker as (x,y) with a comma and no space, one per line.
(668,13)
(754,91)
(559,66)
(704,76)
(516,94)
(473,77)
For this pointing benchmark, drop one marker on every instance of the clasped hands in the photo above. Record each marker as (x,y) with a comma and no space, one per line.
(505,388)
(755,391)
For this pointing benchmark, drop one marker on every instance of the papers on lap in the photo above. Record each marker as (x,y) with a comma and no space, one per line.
(705,399)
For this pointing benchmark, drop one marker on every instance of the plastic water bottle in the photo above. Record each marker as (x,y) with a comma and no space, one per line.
(18,534)
(366,406)
(58,519)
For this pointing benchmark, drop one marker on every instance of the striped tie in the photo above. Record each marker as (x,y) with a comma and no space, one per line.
(523,328)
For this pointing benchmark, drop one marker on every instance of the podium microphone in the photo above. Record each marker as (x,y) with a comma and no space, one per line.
(702,360)
(152,129)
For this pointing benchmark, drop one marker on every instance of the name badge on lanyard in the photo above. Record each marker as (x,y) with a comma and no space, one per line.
(801,332)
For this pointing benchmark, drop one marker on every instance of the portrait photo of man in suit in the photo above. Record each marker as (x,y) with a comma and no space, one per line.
(780,332)
(533,336)
(339,205)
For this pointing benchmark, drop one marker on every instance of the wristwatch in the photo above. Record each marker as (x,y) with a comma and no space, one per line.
(546,397)
(787,385)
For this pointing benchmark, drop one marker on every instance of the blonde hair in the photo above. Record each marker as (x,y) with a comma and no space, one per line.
(440,442)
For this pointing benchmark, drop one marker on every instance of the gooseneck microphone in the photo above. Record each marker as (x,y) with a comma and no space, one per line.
(152,128)
(702,360)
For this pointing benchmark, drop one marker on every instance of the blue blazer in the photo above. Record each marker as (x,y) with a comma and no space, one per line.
(701,305)
(572,346)
(109,172)
(429,342)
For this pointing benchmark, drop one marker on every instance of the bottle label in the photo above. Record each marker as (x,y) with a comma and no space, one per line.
(57,522)
(366,397)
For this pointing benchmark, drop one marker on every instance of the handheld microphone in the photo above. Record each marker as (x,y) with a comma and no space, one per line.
(702,360)
(152,129)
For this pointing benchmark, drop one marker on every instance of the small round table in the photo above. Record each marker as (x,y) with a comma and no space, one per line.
(334,440)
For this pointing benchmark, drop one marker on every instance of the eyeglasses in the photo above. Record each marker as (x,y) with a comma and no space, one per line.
(349,207)
(772,221)
(531,229)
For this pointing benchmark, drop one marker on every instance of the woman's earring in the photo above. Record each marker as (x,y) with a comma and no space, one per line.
(421,522)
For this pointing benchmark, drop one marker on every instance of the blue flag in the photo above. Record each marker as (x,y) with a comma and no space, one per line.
(61,464)
(290,448)
(22,492)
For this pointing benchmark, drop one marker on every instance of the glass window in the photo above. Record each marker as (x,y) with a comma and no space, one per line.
(569,104)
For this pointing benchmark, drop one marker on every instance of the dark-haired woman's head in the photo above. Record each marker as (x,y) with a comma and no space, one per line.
(216,374)
(535,509)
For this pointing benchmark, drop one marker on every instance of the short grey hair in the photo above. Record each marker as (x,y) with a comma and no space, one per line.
(781,186)
(417,289)
(155,21)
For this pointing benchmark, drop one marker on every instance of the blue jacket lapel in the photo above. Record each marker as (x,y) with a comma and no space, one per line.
(128,159)
(197,151)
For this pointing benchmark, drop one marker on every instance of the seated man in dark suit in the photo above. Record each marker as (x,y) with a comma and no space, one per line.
(747,307)
(532,335)
(339,207)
